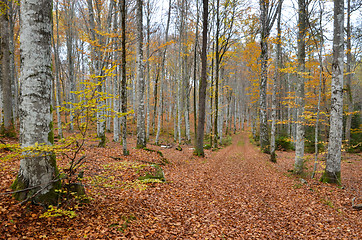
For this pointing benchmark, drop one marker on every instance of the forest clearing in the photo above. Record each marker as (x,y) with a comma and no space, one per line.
(232,193)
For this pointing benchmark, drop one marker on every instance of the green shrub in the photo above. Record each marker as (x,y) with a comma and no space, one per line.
(226,141)
(284,143)
(356,134)
(310,148)
(207,146)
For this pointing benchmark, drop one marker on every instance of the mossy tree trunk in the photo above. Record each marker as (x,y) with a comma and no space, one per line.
(38,171)
(332,172)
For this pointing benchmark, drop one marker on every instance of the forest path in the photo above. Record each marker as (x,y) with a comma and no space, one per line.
(236,193)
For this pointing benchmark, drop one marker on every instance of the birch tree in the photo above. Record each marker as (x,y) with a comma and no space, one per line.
(38,174)
(332,173)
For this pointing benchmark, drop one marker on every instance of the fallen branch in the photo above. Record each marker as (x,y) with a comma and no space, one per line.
(5,148)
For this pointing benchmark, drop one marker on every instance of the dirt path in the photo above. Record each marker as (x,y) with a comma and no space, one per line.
(236,193)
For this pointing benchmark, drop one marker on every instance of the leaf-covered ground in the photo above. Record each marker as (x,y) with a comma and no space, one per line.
(232,193)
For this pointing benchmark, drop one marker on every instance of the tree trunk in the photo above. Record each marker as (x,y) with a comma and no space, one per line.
(195,66)
(70,56)
(6,81)
(316,130)
(217,68)
(98,71)
(199,148)
(116,87)
(332,172)
(162,76)
(264,76)
(148,22)
(124,78)
(180,73)
(57,75)
(38,171)
(349,77)
(141,132)
(299,144)
(13,10)
(276,79)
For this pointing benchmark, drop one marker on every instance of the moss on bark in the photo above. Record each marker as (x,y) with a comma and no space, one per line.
(331,177)
(199,152)
(48,198)
(102,141)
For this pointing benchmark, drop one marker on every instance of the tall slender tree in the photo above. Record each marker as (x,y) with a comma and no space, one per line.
(278,65)
(124,77)
(349,75)
(160,101)
(299,144)
(116,84)
(267,19)
(199,148)
(5,63)
(141,131)
(69,16)
(195,65)
(332,173)
(57,72)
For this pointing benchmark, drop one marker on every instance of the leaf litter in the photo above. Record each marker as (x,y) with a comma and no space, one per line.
(232,193)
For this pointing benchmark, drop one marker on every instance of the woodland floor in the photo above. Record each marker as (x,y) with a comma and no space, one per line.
(232,193)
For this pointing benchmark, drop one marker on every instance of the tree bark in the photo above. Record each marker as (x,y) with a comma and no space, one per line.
(276,79)
(13,12)
(141,132)
(57,75)
(124,78)
(264,76)
(332,173)
(38,170)
(195,66)
(349,75)
(148,30)
(217,68)
(6,81)
(199,148)
(69,11)
(299,144)
(116,87)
